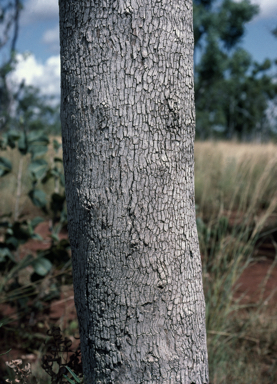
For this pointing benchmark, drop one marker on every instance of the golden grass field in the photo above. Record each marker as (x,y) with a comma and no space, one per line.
(236,199)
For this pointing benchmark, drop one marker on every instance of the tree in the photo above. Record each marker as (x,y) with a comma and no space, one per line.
(9,24)
(239,88)
(22,107)
(128,126)
(35,111)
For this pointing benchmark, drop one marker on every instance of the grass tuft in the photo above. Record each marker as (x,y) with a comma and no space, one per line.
(236,198)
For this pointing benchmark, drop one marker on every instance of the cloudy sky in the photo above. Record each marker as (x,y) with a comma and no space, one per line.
(39,35)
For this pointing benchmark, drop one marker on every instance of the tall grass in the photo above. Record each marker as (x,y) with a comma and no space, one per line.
(234,176)
(236,194)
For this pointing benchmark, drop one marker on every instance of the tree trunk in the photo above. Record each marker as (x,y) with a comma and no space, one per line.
(128,126)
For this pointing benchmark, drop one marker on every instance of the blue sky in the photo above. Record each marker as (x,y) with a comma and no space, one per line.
(39,35)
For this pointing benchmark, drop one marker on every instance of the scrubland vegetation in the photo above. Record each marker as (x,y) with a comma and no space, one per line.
(236,203)
(236,207)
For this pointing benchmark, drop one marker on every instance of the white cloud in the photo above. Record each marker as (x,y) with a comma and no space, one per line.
(38,10)
(51,38)
(45,76)
(268,8)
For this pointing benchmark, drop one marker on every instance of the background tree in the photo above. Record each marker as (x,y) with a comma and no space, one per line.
(35,111)
(22,107)
(9,22)
(240,89)
(128,130)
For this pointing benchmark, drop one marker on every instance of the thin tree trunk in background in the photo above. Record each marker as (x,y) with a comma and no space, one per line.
(128,126)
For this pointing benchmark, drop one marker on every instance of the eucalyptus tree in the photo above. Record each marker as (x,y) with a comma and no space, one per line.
(128,125)
(240,90)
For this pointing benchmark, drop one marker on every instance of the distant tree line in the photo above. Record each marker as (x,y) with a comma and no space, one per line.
(233,93)
(235,96)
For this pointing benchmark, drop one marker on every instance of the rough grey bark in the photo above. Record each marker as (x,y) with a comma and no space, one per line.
(128,129)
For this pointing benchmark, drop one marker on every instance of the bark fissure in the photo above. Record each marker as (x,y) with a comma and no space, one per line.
(128,131)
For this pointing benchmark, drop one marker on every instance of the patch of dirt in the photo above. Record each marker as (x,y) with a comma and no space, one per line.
(43,229)
(258,283)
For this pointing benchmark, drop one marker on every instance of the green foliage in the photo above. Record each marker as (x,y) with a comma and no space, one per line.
(226,19)
(5,166)
(36,145)
(16,231)
(38,198)
(21,105)
(38,112)
(41,266)
(232,92)
(75,377)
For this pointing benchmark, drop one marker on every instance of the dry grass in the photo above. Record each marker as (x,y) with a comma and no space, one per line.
(236,198)
(234,176)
